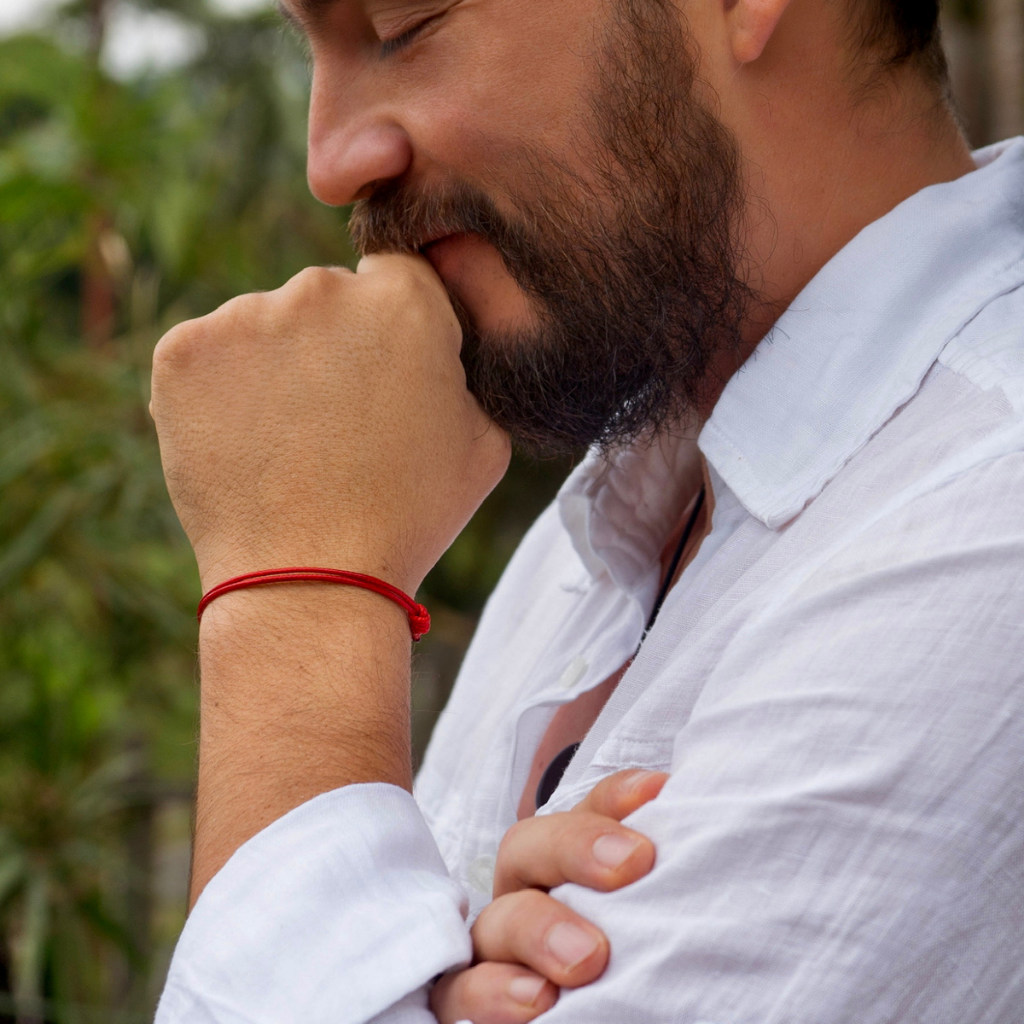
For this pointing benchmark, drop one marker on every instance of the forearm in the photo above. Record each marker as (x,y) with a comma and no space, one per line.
(327,424)
(304,689)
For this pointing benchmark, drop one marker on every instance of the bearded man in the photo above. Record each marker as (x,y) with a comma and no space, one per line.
(740,250)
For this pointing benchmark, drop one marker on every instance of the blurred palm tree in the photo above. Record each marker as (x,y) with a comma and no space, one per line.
(124,208)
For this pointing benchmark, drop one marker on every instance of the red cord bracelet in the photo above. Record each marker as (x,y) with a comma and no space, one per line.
(419,617)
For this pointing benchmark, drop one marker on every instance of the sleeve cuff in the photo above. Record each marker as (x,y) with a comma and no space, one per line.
(331,914)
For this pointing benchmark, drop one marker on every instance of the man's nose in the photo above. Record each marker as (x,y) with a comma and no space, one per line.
(351,152)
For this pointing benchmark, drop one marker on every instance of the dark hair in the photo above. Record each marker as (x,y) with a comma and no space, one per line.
(901,32)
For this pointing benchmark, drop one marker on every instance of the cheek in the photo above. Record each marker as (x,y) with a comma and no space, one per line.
(503,76)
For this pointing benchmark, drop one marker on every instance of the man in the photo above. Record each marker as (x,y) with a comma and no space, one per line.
(739,248)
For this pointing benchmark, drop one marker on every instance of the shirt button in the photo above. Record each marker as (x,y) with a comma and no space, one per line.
(573,674)
(480,874)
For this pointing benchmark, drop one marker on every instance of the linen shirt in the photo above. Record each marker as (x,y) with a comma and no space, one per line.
(836,685)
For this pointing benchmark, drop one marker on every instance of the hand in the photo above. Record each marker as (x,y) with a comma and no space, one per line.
(525,943)
(325,423)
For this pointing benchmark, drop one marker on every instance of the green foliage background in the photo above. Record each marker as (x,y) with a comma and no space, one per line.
(124,208)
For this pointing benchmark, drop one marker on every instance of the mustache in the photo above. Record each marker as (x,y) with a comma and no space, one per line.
(402,218)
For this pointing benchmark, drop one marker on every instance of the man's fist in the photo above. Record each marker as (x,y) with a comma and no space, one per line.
(325,423)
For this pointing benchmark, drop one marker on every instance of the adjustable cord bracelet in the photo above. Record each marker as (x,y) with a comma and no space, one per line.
(419,617)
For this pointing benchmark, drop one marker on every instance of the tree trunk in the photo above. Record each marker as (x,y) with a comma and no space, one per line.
(98,297)
(97,23)
(140,846)
(99,300)
(1005,29)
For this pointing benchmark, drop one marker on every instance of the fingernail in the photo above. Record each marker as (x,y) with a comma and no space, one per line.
(570,945)
(637,779)
(613,849)
(525,990)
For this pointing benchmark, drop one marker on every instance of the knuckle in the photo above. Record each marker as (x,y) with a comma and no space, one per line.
(511,918)
(448,999)
(522,848)
(603,798)
(240,308)
(409,300)
(309,285)
(392,273)
(480,988)
(312,279)
(622,779)
(412,286)
(530,909)
(395,302)
(619,794)
(514,836)
(483,994)
(238,321)
(177,347)
(511,843)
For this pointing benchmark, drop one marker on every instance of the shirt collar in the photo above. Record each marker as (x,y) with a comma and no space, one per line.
(859,339)
(619,508)
(850,350)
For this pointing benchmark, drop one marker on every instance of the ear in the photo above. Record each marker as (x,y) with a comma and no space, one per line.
(751,24)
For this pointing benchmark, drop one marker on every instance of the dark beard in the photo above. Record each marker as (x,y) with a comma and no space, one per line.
(633,274)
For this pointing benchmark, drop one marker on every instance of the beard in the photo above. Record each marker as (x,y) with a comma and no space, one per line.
(632,270)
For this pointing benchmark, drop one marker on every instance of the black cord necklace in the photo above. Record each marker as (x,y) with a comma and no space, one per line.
(556,769)
(666,584)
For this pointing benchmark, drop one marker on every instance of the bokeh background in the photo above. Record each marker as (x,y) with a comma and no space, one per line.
(152,166)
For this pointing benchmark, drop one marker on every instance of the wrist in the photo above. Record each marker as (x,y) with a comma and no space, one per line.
(418,616)
(285,615)
(305,688)
(296,670)
(221,562)
(307,666)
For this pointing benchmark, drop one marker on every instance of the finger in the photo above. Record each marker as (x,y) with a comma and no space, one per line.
(492,993)
(535,930)
(578,846)
(405,276)
(619,795)
(382,262)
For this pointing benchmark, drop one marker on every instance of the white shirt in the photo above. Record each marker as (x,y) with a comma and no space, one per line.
(836,684)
